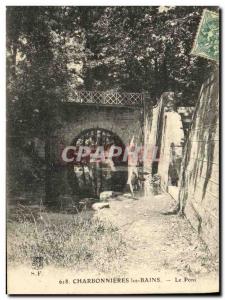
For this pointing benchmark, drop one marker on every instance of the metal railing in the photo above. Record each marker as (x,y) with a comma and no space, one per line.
(106,98)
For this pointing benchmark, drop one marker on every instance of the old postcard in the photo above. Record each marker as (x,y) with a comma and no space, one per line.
(113,149)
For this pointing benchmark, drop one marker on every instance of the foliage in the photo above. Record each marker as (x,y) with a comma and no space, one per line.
(53,50)
(146,49)
(44,47)
(69,241)
(43,50)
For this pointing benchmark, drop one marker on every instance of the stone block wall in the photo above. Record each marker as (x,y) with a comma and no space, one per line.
(125,122)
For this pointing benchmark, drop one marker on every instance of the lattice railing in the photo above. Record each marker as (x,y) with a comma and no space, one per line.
(106,98)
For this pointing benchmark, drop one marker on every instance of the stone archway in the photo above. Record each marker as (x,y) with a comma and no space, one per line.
(88,177)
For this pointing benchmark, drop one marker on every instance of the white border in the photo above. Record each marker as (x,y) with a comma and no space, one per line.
(112,3)
(5,3)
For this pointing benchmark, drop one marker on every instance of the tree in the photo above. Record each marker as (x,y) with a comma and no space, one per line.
(41,66)
(145,49)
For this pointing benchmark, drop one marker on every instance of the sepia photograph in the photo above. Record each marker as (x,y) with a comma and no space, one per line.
(112,150)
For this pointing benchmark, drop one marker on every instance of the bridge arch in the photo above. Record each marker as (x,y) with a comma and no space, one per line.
(123,121)
(89,177)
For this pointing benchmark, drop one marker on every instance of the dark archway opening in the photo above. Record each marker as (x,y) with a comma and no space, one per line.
(88,177)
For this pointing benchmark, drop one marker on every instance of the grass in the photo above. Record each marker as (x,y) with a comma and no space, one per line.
(70,241)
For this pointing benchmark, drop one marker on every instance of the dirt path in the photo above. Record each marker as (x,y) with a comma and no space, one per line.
(158,242)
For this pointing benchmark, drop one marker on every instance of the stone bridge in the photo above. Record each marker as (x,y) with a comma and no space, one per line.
(120,115)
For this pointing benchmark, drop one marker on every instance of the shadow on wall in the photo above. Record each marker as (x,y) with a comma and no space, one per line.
(206,134)
(199,192)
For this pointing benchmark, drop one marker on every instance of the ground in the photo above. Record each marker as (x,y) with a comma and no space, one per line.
(133,238)
(156,241)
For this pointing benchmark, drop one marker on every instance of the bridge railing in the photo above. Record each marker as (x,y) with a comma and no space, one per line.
(106,98)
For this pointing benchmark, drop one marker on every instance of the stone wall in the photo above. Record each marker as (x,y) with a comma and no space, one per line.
(199,194)
(172,140)
(150,121)
(163,128)
(123,121)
